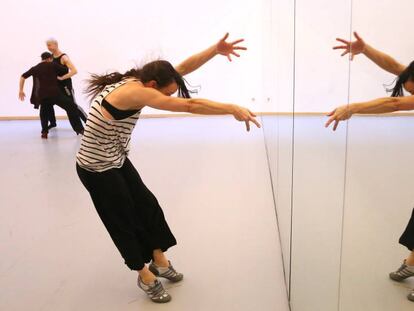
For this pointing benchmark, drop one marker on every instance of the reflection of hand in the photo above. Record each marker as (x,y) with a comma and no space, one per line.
(229,48)
(22,95)
(355,47)
(341,113)
(243,114)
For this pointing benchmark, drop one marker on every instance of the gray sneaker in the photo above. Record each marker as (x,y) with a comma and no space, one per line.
(402,273)
(411,296)
(155,291)
(167,273)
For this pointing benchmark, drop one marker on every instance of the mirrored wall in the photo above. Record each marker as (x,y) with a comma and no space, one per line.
(342,198)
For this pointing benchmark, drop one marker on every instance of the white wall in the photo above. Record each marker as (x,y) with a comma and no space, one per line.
(115,35)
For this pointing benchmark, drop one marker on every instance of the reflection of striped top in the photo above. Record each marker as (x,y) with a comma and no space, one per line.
(105,143)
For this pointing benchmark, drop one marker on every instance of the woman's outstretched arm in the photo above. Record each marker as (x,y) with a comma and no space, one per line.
(381,59)
(376,106)
(154,99)
(221,48)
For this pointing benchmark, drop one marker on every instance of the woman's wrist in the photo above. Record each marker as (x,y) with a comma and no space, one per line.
(230,108)
(354,108)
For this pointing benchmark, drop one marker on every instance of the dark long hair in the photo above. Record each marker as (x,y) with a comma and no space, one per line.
(406,75)
(160,71)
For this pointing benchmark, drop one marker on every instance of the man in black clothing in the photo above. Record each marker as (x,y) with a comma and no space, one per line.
(65,81)
(46,93)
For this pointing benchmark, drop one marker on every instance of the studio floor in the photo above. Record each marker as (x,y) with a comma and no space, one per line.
(212,179)
(210,176)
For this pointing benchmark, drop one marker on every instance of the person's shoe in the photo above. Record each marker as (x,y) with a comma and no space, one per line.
(44,135)
(168,273)
(155,291)
(404,272)
(411,296)
(51,126)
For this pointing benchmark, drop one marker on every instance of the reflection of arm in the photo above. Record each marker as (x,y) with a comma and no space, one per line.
(383,60)
(72,69)
(383,105)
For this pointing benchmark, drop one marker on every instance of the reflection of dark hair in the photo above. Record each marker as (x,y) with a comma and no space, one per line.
(406,75)
(160,71)
(46,55)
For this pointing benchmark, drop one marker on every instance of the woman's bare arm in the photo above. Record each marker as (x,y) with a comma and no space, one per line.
(381,59)
(152,98)
(221,48)
(376,106)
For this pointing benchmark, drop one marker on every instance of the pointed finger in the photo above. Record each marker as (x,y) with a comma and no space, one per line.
(340,47)
(336,125)
(235,54)
(357,36)
(255,122)
(239,48)
(344,53)
(343,41)
(225,37)
(247,125)
(329,121)
(237,41)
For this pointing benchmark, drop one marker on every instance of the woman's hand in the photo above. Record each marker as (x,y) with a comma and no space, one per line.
(341,113)
(22,95)
(354,48)
(243,114)
(61,78)
(229,48)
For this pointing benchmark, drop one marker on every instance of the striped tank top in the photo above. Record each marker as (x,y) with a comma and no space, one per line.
(105,143)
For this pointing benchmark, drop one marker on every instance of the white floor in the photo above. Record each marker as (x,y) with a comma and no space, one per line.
(212,180)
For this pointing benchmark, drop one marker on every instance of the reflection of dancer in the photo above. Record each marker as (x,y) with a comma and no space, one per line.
(130,212)
(65,81)
(396,102)
(46,92)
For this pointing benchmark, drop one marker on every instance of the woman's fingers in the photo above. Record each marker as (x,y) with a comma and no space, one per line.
(253,120)
(252,113)
(343,41)
(225,37)
(229,57)
(247,125)
(237,41)
(331,113)
(239,48)
(330,120)
(357,36)
(340,47)
(336,125)
(235,54)
(345,52)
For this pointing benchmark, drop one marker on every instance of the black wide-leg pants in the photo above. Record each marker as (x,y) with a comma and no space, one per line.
(130,213)
(407,238)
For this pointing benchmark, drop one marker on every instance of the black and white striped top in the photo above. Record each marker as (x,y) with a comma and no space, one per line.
(105,143)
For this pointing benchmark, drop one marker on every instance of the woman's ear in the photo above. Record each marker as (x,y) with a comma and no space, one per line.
(152,84)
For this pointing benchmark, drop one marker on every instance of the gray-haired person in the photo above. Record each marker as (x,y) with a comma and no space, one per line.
(65,81)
